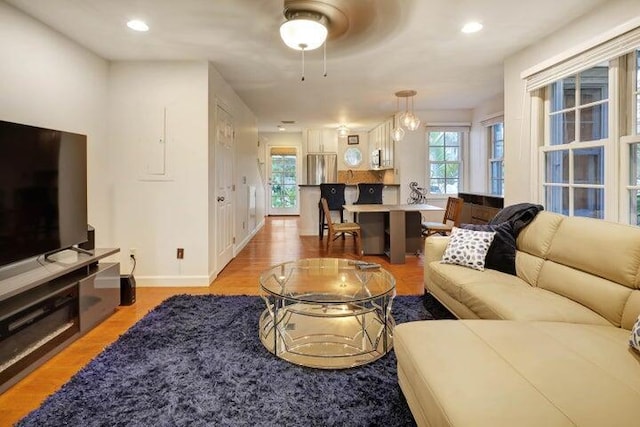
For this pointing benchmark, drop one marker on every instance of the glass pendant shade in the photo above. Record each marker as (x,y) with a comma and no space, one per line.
(397,134)
(414,124)
(305,32)
(406,119)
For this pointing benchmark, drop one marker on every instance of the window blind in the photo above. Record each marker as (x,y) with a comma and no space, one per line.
(283,151)
(613,48)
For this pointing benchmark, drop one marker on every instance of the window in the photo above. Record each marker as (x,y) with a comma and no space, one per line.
(444,163)
(496,158)
(586,121)
(284,186)
(576,143)
(631,141)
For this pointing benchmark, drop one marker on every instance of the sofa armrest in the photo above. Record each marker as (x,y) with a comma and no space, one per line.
(434,247)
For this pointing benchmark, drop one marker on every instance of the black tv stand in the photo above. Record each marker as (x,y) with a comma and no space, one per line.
(44,307)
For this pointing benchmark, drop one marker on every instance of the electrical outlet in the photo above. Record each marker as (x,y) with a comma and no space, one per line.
(180,253)
(133,252)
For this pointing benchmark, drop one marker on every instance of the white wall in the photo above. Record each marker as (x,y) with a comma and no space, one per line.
(479,144)
(49,81)
(410,153)
(156,215)
(520,178)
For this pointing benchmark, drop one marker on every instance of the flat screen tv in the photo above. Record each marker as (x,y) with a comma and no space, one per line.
(43,191)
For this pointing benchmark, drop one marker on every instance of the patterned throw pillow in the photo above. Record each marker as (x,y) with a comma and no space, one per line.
(468,248)
(634,340)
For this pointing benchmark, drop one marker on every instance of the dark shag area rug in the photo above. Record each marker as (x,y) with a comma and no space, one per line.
(198,361)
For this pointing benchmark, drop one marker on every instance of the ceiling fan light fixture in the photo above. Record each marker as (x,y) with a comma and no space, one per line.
(304,30)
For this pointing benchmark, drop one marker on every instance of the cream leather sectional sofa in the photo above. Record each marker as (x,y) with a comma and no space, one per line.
(552,346)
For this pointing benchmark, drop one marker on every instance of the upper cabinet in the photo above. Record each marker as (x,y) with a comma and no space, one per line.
(320,140)
(381,144)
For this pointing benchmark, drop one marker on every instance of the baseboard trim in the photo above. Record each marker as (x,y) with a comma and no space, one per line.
(172,281)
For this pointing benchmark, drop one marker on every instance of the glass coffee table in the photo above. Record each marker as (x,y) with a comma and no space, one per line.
(327,313)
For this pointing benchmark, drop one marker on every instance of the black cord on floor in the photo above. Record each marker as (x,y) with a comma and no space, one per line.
(133,257)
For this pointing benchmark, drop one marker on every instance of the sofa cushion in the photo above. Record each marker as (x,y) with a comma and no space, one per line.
(535,238)
(603,296)
(468,248)
(606,249)
(491,294)
(452,278)
(502,252)
(631,310)
(507,373)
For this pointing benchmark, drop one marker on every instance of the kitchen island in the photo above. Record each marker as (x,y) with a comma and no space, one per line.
(310,197)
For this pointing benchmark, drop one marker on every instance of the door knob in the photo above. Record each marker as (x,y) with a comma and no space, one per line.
(221,198)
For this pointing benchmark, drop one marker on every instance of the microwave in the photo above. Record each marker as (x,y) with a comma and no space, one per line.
(376,158)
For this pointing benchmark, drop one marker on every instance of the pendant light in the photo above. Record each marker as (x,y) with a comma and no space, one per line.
(407,118)
(343,131)
(397,133)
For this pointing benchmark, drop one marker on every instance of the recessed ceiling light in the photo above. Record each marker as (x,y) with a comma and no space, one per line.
(471,27)
(281,128)
(138,25)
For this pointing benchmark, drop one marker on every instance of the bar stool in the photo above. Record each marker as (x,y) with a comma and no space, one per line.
(334,194)
(368,194)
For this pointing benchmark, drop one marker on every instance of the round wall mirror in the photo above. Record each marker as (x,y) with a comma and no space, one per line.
(353,156)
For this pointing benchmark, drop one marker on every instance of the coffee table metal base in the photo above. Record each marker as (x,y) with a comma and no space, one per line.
(327,336)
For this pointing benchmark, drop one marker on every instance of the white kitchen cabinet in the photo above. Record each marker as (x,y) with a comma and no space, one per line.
(380,139)
(321,140)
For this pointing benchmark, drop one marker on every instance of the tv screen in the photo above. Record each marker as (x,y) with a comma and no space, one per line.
(43,191)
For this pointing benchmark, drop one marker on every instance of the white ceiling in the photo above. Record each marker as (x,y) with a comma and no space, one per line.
(390,46)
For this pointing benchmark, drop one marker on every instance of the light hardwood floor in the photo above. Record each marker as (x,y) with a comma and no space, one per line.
(277,241)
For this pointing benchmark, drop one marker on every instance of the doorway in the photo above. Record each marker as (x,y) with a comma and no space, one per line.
(283,191)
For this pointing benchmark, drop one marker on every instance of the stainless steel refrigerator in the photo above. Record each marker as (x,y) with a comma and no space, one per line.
(321,168)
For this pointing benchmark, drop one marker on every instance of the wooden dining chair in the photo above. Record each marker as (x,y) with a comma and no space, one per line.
(337,229)
(451,218)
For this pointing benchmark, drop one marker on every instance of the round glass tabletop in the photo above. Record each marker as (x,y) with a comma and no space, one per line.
(327,280)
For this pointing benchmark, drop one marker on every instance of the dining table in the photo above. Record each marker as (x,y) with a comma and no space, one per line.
(391,230)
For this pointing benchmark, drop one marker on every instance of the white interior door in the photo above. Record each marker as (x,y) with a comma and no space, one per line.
(225,139)
(282,179)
